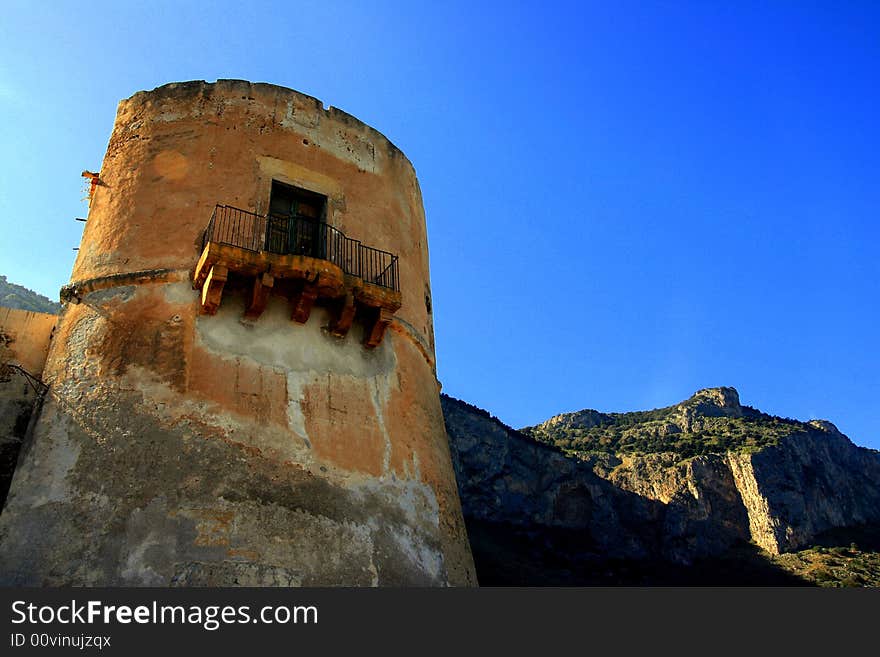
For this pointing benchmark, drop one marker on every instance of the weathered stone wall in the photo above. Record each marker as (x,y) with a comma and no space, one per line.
(178,448)
(24,338)
(24,341)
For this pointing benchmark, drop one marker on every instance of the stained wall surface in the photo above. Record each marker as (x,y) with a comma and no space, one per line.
(24,342)
(178,448)
(24,338)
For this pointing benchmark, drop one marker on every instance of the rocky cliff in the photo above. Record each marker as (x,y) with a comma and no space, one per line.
(682,484)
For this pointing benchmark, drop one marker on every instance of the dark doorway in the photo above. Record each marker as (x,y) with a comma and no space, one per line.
(296,222)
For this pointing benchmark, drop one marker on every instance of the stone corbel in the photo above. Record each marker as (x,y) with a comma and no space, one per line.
(259,295)
(212,289)
(303,302)
(341,323)
(376,331)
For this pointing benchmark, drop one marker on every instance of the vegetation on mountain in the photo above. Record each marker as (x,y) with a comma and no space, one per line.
(20,297)
(834,566)
(710,422)
(845,557)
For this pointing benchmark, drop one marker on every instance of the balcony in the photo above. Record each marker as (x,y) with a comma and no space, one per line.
(306,260)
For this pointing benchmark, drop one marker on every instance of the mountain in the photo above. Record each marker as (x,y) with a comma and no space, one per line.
(711,422)
(17,296)
(705,491)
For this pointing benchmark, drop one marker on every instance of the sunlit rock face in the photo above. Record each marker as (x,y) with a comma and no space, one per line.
(180,447)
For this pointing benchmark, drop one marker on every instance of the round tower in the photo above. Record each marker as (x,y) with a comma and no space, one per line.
(242,382)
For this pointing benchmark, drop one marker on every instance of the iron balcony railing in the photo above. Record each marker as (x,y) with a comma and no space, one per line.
(301,236)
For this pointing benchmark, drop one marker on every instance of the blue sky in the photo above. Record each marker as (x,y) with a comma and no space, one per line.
(626,201)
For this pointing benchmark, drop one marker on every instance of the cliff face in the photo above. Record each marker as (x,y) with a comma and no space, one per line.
(662,505)
(809,483)
(619,507)
(508,479)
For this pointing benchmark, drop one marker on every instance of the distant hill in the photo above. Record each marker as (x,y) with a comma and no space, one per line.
(707,491)
(18,296)
(711,422)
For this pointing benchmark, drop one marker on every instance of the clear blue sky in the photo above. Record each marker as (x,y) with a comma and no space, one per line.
(626,201)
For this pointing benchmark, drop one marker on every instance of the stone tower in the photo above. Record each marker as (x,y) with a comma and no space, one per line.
(242,381)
